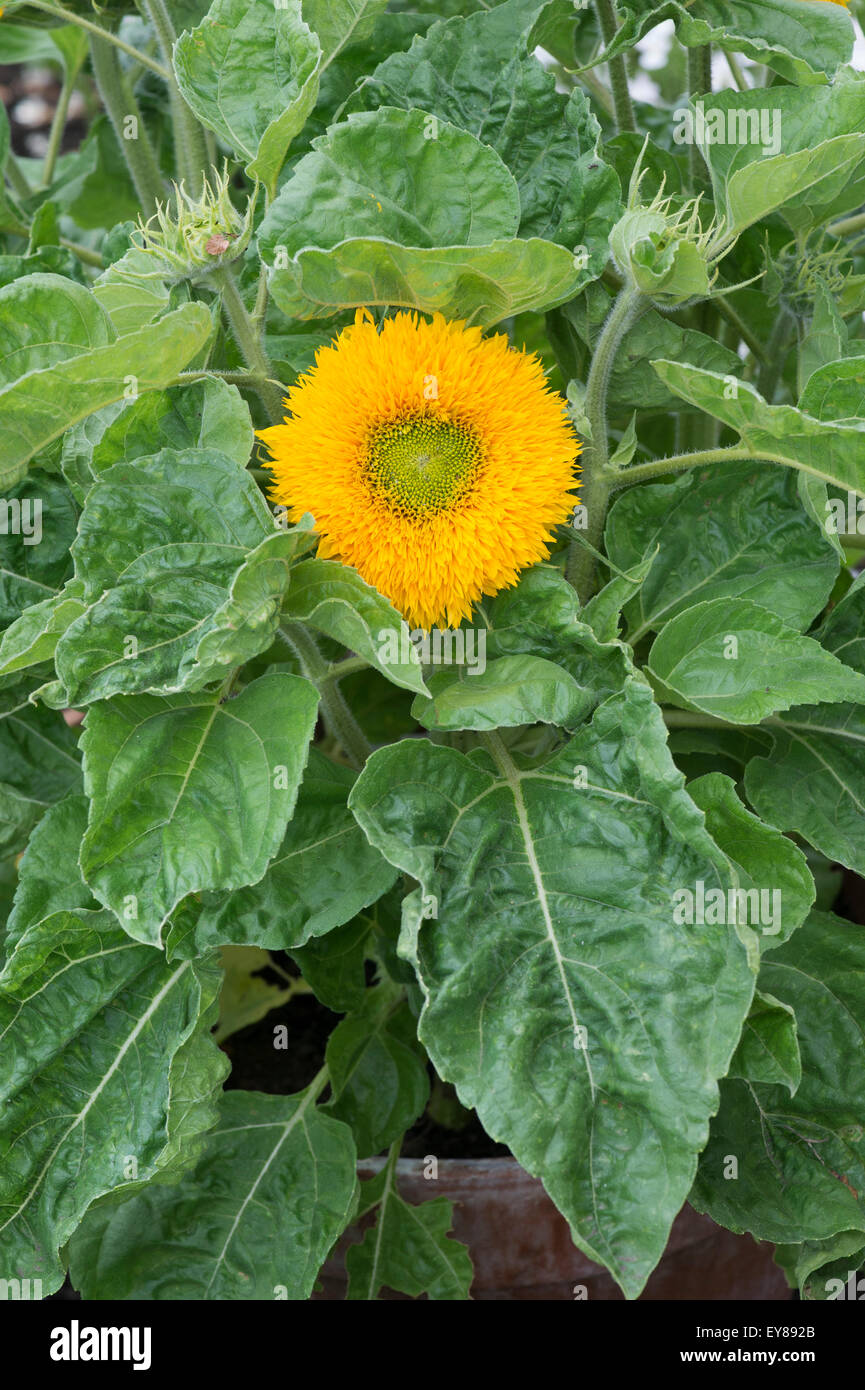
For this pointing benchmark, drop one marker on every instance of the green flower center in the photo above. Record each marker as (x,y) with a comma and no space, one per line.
(422,464)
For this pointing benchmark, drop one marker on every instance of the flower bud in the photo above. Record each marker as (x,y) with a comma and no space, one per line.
(196,235)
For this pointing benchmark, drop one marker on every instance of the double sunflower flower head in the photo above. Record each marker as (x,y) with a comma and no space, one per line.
(435,461)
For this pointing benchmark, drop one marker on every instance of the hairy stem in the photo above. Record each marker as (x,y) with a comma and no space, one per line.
(58,124)
(609,22)
(101,35)
(645,472)
(699,83)
(254,355)
(856,223)
(338,718)
(120,104)
(597,472)
(189,143)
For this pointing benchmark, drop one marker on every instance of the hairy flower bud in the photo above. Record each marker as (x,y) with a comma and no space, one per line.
(192,236)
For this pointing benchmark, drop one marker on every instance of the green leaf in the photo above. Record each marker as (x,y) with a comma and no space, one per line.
(820,748)
(818,1267)
(40,518)
(45,320)
(836,390)
(93,1024)
(206,414)
(377,1070)
(323,874)
(335,599)
(33,637)
(818,173)
(251,46)
(766,862)
(189,793)
(540,617)
(768,1050)
(478,74)
(801,1158)
(802,47)
(272,1194)
(341,23)
(570,1010)
(828,451)
(409,1249)
(333,965)
(131,292)
(47,398)
(39,763)
(734,532)
(510,691)
(189,589)
(733,659)
(49,875)
(824,340)
(349,228)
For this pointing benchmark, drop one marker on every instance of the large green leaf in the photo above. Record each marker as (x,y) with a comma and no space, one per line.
(790,37)
(45,319)
(251,46)
(189,792)
(409,1249)
(801,1158)
(561,996)
(397,207)
(40,520)
(335,599)
(189,589)
(820,748)
(836,390)
(49,875)
(736,532)
(39,763)
(510,691)
(377,1070)
(819,169)
(46,399)
(540,617)
(736,660)
(323,874)
(831,452)
(104,1083)
(478,74)
(207,414)
(769,1047)
(272,1194)
(765,861)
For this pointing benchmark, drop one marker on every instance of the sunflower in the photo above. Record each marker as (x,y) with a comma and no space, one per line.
(434,460)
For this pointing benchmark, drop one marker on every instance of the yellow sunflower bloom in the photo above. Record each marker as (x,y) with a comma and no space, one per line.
(434,460)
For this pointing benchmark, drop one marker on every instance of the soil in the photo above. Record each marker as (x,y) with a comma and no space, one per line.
(256,1065)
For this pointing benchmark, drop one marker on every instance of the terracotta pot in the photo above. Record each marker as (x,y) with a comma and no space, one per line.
(522,1248)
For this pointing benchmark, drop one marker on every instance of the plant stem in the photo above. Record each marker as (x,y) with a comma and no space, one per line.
(644,472)
(737,72)
(101,35)
(339,720)
(84,253)
(254,355)
(58,124)
(15,175)
(595,496)
(119,103)
(699,82)
(726,310)
(856,223)
(609,22)
(775,356)
(189,146)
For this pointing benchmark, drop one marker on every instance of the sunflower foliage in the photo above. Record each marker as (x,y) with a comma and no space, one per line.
(437,473)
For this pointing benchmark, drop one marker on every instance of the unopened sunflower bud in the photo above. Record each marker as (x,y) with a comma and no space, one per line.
(192,236)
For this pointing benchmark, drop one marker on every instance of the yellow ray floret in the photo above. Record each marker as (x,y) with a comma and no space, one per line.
(435,461)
